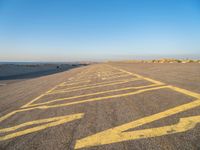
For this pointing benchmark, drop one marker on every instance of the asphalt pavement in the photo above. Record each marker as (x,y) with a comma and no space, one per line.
(112,106)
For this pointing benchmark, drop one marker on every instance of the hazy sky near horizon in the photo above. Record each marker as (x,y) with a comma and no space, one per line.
(73,30)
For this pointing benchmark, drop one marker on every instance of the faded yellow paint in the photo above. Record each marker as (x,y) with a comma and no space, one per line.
(50,122)
(105,74)
(137,75)
(96,99)
(37,98)
(40,121)
(112,74)
(186,92)
(82,101)
(8,115)
(94,84)
(92,94)
(119,133)
(114,77)
(74,83)
(113,135)
(32,101)
(91,87)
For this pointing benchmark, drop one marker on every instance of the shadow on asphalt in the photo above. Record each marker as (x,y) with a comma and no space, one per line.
(38,74)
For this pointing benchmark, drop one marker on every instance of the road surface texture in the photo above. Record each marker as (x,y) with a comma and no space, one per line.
(10,73)
(114,106)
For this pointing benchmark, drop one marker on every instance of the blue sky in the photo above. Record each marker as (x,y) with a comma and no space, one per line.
(73,30)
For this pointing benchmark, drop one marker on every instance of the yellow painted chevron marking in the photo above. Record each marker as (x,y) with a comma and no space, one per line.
(117,73)
(92,94)
(101,98)
(91,87)
(97,99)
(120,133)
(96,84)
(50,122)
(137,75)
(37,98)
(99,83)
(81,101)
(114,77)
(74,83)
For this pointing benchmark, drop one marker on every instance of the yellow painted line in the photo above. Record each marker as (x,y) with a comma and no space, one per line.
(50,122)
(97,99)
(117,73)
(91,87)
(78,79)
(81,101)
(100,83)
(92,94)
(62,84)
(74,83)
(120,133)
(37,98)
(93,76)
(8,115)
(186,92)
(112,74)
(114,77)
(27,104)
(137,75)
(77,102)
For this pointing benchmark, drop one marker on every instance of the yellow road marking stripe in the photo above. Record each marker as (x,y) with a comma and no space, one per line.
(90,87)
(118,134)
(100,83)
(92,94)
(98,99)
(51,122)
(187,92)
(81,101)
(137,75)
(74,83)
(37,98)
(125,75)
